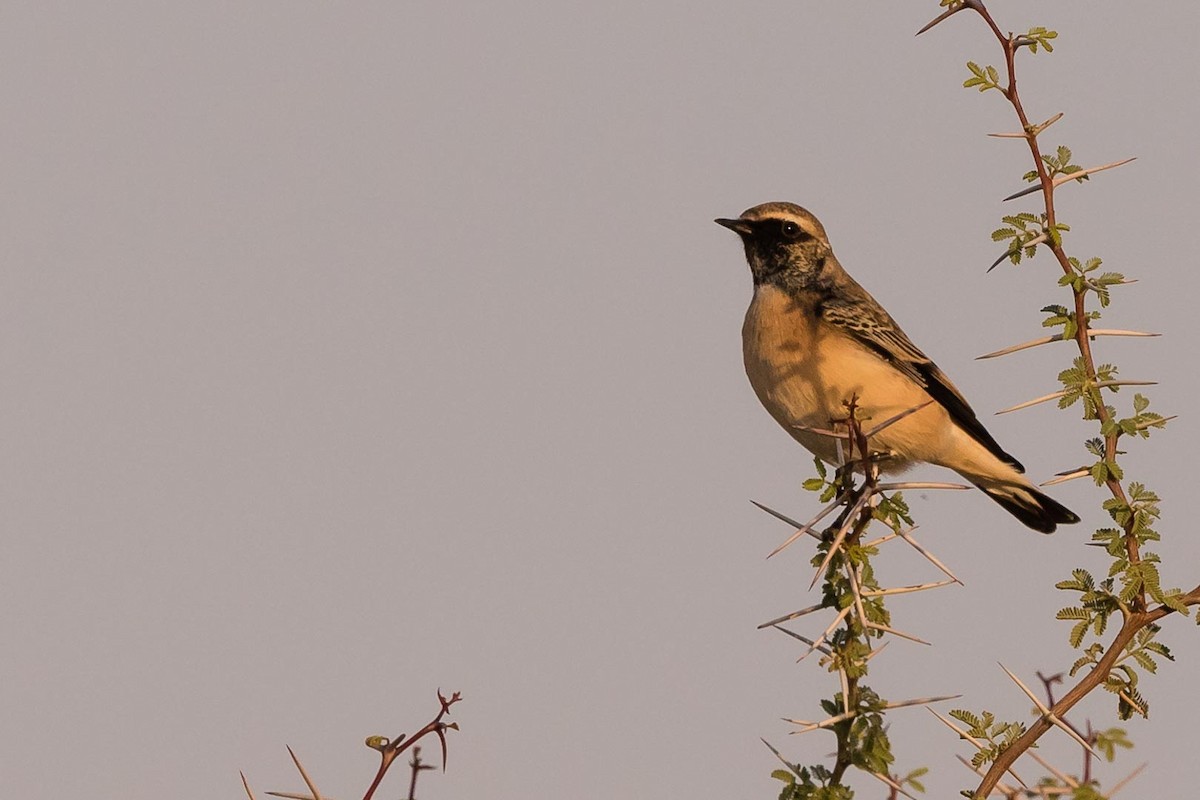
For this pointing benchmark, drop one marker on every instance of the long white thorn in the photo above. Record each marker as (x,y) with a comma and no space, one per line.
(1074,176)
(894,487)
(1041,126)
(825,723)
(801,529)
(1059,180)
(1048,714)
(1039,239)
(885,538)
(1034,402)
(922,701)
(930,556)
(1121,784)
(886,629)
(825,635)
(823,432)
(1001,787)
(1069,475)
(1040,705)
(1035,130)
(1058,337)
(978,745)
(779,755)
(892,420)
(906,589)
(1069,731)
(877,651)
(1055,395)
(1062,776)
(820,647)
(855,575)
(851,521)
(895,786)
(312,787)
(787,617)
(785,518)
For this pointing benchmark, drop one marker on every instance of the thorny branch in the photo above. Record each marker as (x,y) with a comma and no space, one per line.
(856,440)
(1011,44)
(389,751)
(1137,614)
(852,590)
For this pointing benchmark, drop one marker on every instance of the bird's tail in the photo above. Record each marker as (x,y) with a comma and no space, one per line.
(1030,506)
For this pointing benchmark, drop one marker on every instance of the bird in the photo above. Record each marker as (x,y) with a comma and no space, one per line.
(813,339)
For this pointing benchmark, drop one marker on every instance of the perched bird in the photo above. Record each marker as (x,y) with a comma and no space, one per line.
(813,338)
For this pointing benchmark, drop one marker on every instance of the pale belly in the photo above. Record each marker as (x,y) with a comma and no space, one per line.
(805,375)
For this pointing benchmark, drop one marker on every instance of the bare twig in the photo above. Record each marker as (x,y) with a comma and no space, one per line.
(389,750)
(417,766)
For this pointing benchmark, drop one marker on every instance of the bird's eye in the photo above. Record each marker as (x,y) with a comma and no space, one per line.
(791,230)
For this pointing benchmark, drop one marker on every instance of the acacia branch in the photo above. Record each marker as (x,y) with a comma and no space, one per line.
(1082,335)
(1137,614)
(1134,622)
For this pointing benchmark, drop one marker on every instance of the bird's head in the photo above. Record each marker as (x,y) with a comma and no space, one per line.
(783,242)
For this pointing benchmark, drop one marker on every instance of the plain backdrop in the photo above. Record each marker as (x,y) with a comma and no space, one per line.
(353,350)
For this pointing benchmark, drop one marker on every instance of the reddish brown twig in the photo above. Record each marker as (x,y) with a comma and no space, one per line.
(389,750)
(417,766)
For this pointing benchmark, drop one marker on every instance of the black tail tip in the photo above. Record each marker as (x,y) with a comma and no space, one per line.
(1038,511)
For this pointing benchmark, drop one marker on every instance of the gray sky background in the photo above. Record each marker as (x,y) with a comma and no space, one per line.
(354,350)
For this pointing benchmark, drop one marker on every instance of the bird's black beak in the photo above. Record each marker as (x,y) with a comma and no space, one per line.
(738,226)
